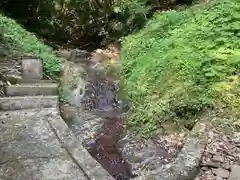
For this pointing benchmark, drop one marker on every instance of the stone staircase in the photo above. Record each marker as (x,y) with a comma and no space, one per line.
(35,142)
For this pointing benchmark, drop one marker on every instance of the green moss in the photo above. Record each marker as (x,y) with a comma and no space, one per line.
(173,65)
(15,39)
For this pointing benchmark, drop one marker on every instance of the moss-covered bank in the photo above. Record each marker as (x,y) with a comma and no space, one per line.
(183,63)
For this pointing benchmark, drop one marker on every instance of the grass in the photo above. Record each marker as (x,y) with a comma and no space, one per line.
(182,64)
(16,40)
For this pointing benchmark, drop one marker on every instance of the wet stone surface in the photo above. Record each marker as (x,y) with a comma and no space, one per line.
(150,155)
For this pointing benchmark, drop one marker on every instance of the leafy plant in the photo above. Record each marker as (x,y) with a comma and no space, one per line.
(172,66)
(83,22)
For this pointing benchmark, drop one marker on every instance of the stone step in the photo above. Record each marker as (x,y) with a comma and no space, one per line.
(34,89)
(27,102)
(36,81)
(17,79)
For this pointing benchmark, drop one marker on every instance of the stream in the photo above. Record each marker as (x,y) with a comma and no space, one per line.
(101,99)
(100,126)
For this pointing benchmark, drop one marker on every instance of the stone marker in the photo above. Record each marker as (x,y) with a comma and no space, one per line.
(32,68)
(235,173)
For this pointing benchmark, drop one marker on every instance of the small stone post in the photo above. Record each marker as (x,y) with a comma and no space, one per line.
(32,68)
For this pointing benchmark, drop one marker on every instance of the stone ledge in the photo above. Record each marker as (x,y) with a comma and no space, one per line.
(27,102)
(93,170)
(32,89)
(16,79)
(186,166)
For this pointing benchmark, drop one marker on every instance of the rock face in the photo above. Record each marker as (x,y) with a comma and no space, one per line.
(32,68)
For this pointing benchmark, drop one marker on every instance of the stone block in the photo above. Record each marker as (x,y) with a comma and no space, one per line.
(32,68)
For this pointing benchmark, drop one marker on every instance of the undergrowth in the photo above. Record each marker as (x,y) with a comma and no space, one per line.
(184,63)
(16,40)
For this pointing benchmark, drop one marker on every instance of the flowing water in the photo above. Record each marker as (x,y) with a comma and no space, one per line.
(122,155)
(101,98)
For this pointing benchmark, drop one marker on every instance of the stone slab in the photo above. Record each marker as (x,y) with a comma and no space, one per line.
(32,68)
(36,81)
(30,150)
(186,165)
(27,102)
(31,89)
(89,165)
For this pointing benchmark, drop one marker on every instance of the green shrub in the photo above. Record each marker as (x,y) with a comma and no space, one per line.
(15,39)
(173,67)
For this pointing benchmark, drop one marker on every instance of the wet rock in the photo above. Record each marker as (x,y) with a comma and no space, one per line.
(235,173)
(72,83)
(221,172)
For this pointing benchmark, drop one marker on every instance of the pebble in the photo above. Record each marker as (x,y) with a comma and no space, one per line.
(218,158)
(235,173)
(219,178)
(220,172)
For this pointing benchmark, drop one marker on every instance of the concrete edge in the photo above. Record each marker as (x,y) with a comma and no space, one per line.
(27,102)
(13,79)
(186,165)
(92,169)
